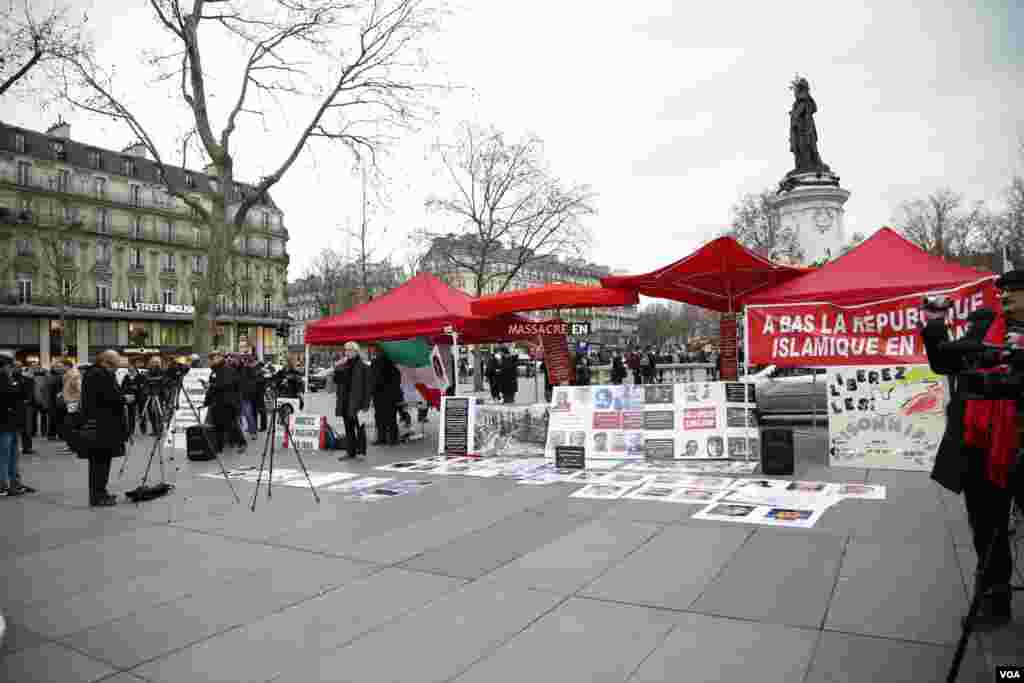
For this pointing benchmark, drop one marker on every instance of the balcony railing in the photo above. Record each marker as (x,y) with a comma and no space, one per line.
(254,310)
(15,299)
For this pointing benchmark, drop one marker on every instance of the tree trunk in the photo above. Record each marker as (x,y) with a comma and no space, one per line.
(202,329)
(63,332)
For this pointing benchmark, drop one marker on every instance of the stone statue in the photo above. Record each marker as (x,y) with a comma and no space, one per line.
(803,136)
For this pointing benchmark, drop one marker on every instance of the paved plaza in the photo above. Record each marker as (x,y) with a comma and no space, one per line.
(475,579)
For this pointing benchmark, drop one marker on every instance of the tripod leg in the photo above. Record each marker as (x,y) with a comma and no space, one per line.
(273,447)
(209,445)
(263,461)
(302,464)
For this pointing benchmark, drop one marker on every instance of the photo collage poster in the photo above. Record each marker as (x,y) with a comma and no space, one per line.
(885,417)
(698,421)
(471,427)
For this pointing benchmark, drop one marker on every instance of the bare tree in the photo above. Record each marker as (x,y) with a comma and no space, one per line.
(30,41)
(755,225)
(855,239)
(374,90)
(329,281)
(939,225)
(60,257)
(510,211)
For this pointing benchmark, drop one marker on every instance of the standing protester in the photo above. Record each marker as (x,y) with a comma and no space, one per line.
(29,420)
(39,379)
(633,362)
(387,394)
(12,415)
(70,395)
(252,396)
(493,372)
(354,386)
(53,386)
(133,388)
(648,366)
(508,376)
(979,454)
(582,371)
(103,405)
(224,399)
(618,369)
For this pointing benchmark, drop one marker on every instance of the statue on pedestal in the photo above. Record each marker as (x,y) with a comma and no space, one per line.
(803,136)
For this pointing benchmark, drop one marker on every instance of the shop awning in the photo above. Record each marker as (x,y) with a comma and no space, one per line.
(553,296)
(716,276)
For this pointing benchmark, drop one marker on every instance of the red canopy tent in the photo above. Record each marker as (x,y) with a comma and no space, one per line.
(716,276)
(553,296)
(884,266)
(422,307)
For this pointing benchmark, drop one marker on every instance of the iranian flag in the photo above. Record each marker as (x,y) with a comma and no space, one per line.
(424,369)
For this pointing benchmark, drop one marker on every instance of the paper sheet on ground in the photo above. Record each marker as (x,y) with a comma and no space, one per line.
(602,491)
(358,484)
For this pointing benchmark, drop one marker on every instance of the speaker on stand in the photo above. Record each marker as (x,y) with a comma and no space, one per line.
(778,456)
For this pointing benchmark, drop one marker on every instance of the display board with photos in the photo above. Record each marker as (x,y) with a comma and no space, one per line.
(306,430)
(696,421)
(885,417)
(471,427)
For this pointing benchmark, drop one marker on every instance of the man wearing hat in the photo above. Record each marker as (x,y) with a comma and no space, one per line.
(980,449)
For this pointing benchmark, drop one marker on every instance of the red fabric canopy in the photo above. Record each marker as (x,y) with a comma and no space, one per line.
(421,307)
(558,295)
(716,276)
(884,266)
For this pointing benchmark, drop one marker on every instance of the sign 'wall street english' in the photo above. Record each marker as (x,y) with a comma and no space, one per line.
(186,309)
(882,333)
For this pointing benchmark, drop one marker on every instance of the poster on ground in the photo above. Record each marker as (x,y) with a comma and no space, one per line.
(885,417)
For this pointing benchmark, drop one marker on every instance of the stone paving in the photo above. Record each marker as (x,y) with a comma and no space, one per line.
(478,579)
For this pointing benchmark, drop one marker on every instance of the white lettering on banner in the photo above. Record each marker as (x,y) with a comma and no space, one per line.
(187,309)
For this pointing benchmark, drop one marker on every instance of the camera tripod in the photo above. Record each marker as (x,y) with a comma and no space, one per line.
(270,446)
(156,451)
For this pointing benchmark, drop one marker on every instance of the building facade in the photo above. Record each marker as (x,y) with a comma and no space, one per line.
(95,254)
(311,299)
(613,326)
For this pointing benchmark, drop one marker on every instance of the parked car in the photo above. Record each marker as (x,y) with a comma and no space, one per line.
(318,379)
(791,394)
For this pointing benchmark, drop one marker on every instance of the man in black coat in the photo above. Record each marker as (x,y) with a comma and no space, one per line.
(224,399)
(493,374)
(508,379)
(962,468)
(103,405)
(354,384)
(387,394)
(12,421)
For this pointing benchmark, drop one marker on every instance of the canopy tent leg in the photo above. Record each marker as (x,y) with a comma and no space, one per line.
(305,366)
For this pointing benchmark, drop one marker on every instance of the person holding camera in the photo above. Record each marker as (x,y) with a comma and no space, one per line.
(354,384)
(224,399)
(979,451)
(102,406)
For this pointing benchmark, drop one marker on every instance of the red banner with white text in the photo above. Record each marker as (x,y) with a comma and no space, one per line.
(881,333)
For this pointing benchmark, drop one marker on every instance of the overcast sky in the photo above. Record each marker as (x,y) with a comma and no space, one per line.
(670,111)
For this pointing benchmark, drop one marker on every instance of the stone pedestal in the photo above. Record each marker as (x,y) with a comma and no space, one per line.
(811,205)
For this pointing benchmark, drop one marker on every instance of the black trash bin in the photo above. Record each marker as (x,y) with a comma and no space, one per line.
(198,439)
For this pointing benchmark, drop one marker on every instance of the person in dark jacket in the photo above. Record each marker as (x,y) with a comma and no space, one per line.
(508,377)
(493,374)
(387,394)
(103,405)
(354,384)
(224,399)
(618,370)
(582,371)
(12,421)
(54,386)
(960,466)
(649,366)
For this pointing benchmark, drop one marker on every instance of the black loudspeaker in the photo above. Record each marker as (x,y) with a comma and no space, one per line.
(777,453)
(196,446)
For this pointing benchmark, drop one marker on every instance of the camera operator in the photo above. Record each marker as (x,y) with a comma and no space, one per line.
(224,399)
(134,390)
(980,448)
(288,382)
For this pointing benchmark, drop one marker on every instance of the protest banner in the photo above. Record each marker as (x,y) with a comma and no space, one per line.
(880,333)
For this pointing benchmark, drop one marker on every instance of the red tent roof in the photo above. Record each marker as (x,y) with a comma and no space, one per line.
(421,307)
(557,295)
(716,276)
(884,266)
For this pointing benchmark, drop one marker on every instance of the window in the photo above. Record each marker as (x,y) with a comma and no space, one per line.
(197,236)
(69,249)
(137,228)
(136,295)
(245,301)
(276,248)
(266,304)
(63,179)
(103,221)
(100,187)
(19,143)
(167,231)
(135,258)
(266,221)
(59,152)
(67,288)
(190,181)
(248,270)
(168,263)
(103,296)
(95,160)
(128,167)
(199,263)
(103,253)
(167,297)
(195,296)
(267,275)
(24,282)
(136,195)
(24,173)
(24,246)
